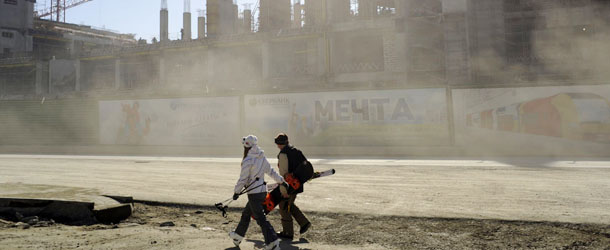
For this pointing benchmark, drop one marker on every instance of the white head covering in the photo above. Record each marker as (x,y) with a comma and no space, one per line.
(249,141)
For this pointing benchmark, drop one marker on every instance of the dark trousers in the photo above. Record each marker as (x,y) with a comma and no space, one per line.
(288,210)
(254,208)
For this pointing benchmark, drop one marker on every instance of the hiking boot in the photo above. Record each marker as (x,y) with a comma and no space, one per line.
(305,227)
(236,238)
(285,235)
(273,245)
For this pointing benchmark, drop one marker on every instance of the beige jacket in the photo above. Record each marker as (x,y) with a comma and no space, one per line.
(282,165)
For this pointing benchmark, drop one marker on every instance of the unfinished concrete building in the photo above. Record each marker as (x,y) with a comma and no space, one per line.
(186,21)
(246,21)
(336,52)
(274,15)
(53,65)
(221,17)
(297,15)
(339,11)
(498,41)
(314,13)
(16,21)
(164,22)
(201,25)
(381,44)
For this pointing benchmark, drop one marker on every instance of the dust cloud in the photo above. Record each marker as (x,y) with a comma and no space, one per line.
(541,52)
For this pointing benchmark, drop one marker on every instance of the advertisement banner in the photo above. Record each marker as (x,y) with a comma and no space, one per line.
(174,122)
(528,116)
(351,118)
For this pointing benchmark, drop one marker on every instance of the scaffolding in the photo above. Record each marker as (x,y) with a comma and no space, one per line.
(56,9)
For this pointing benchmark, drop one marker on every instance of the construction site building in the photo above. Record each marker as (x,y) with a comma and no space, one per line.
(334,45)
(222,17)
(53,65)
(274,15)
(499,41)
(16,22)
(186,21)
(164,23)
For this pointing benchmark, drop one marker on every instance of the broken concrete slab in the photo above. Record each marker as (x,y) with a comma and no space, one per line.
(54,192)
(67,205)
(120,199)
(66,212)
(113,214)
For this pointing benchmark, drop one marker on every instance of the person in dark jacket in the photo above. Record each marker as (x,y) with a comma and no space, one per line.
(289,159)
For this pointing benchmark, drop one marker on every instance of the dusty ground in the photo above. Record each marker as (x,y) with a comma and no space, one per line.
(447,204)
(200,227)
(510,189)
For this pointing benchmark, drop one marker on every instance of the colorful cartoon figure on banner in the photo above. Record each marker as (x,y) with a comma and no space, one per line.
(134,129)
(575,116)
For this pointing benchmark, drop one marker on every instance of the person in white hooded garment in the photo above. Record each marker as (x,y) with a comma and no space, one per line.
(254,166)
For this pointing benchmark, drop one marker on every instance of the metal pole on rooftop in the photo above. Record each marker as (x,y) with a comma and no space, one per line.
(164,29)
(58,11)
(186,21)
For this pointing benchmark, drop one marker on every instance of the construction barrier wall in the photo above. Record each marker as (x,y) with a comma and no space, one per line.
(49,122)
(533,121)
(552,120)
(401,117)
(170,122)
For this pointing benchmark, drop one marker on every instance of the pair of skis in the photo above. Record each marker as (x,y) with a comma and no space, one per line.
(315,175)
(274,197)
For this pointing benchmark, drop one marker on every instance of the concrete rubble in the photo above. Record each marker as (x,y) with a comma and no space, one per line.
(44,212)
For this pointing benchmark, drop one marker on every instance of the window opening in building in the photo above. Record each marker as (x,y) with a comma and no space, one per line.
(7,34)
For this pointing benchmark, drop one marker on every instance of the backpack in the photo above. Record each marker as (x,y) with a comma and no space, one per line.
(298,166)
(304,171)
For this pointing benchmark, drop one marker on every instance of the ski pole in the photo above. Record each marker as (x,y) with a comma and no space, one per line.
(245,191)
(223,207)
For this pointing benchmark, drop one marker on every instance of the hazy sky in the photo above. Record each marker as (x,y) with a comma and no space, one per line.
(140,17)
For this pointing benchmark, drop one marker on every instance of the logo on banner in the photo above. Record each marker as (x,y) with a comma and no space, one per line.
(269,101)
